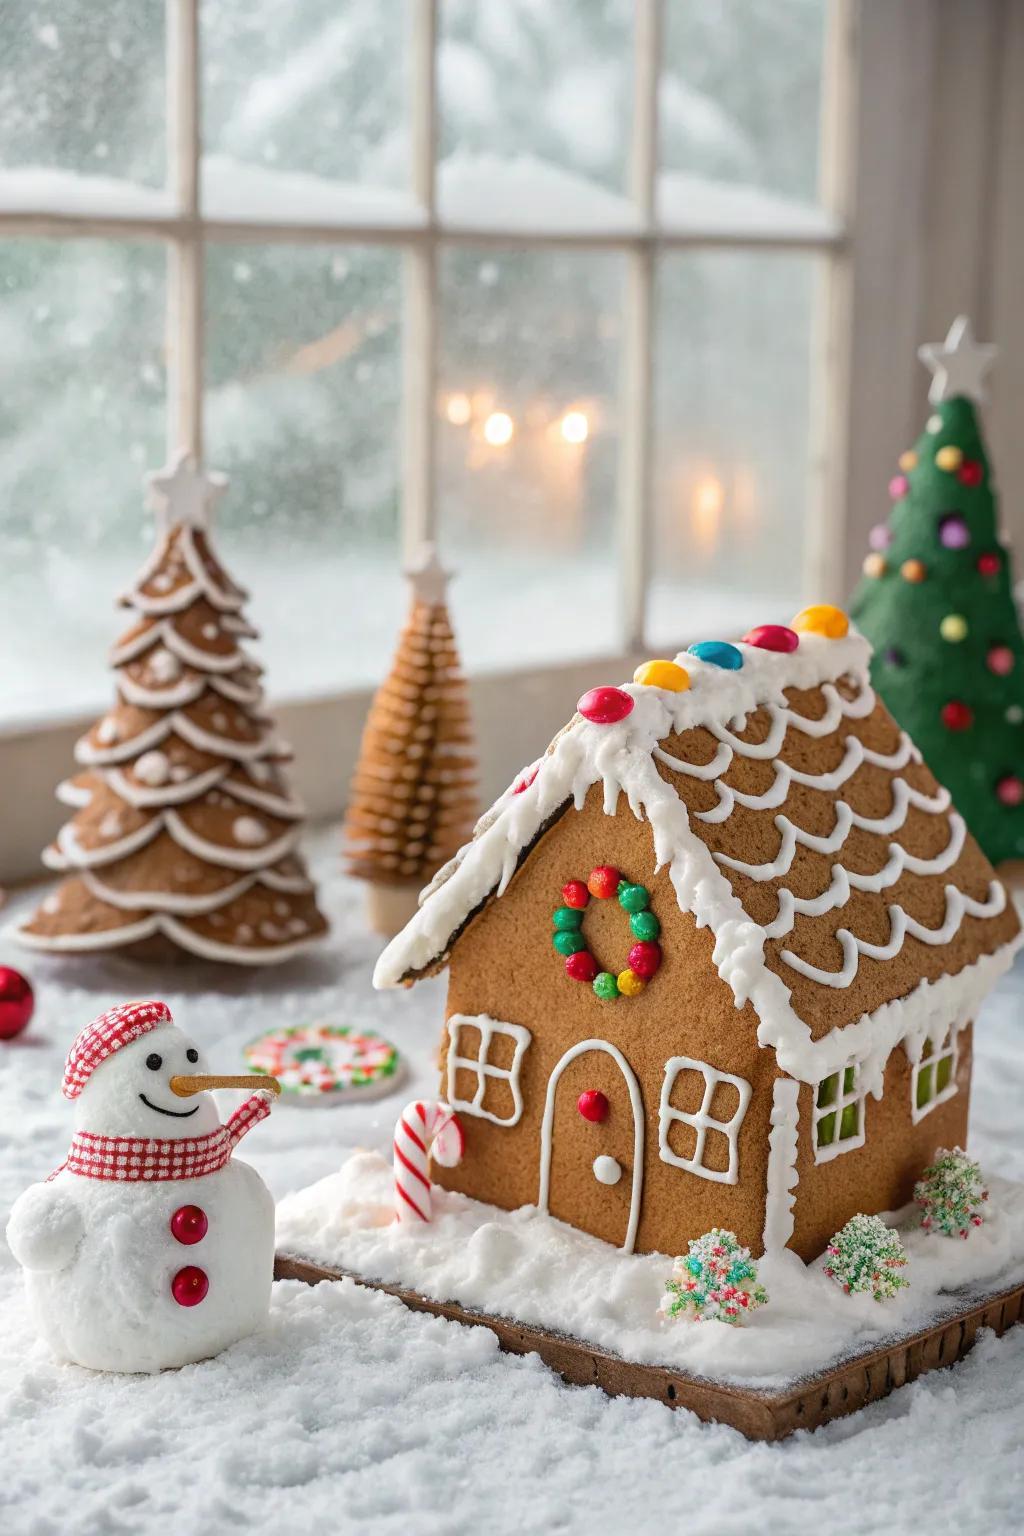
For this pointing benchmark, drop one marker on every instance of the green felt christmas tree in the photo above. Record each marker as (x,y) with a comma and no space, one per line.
(937,604)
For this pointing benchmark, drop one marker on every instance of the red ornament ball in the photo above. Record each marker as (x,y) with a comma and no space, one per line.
(1010,789)
(1000,660)
(970,472)
(988,565)
(581,966)
(604,881)
(189,1224)
(16,1002)
(593,1105)
(575,894)
(644,958)
(190,1285)
(957,716)
(604,706)
(772,637)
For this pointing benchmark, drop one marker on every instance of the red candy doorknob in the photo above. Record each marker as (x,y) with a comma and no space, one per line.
(16,1002)
(593,1105)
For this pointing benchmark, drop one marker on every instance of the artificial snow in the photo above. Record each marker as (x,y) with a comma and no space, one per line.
(351,1414)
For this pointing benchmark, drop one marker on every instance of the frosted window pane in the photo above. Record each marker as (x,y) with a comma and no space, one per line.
(741,92)
(311,86)
(733,360)
(302,407)
(81,419)
(82,88)
(550,81)
(527,451)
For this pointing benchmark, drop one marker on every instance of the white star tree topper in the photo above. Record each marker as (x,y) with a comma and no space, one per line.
(183,493)
(959,364)
(427,576)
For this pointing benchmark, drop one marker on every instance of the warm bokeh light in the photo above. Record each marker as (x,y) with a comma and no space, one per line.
(458,409)
(706,513)
(498,429)
(575,427)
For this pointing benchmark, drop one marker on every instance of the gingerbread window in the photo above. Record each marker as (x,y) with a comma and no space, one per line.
(933,1080)
(838,1113)
(699,1119)
(484,1058)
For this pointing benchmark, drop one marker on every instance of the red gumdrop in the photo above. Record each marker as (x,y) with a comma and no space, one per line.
(581,966)
(772,637)
(593,1105)
(957,716)
(644,958)
(970,472)
(190,1286)
(604,881)
(575,894)
(604,706)
(189,1224)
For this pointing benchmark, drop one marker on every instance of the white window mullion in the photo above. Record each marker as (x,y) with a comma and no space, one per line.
(636,383)
(419,282)
(185,255)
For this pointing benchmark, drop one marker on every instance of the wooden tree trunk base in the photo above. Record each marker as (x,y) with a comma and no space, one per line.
(390,907)
(758,1414)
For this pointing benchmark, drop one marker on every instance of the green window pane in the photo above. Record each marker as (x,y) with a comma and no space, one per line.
(925,1092)
(943,1073)
(827,1130)
(848,1079)
(849,1125)
(827,1090)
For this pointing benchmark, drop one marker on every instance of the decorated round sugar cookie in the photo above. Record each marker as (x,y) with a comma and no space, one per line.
(326,1063)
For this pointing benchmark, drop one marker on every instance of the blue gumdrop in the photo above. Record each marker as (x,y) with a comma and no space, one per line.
(719,653)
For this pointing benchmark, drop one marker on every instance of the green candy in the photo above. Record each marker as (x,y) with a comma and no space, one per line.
(644,925)
(605,986)
(569,943)
(567,918)
(633,898)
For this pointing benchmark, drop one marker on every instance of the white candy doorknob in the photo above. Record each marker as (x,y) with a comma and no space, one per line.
(607,1170)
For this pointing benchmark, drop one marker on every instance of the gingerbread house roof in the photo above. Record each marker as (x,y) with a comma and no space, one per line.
(847,900)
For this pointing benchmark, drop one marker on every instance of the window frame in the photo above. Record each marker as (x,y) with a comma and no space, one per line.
(187,228)
(947,1048)
(484,1069)
(845,1099)
(701,1120)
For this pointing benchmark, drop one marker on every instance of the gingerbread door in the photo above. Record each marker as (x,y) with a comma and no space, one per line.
(592,1143)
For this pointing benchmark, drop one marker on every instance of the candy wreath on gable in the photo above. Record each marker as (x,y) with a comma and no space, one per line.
(644,956)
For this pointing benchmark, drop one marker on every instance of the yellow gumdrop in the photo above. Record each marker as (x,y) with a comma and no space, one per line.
(949,457)
(875,565)
(629,983)
(662,674)
(822,619)
(908,460)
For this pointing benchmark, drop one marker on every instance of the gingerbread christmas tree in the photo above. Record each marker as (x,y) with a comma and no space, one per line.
(185,828)
(413,798)
(937,604)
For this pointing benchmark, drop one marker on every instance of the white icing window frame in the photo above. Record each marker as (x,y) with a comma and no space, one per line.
(702,1121)
(946,1045)
(845,1098)
(484,1069)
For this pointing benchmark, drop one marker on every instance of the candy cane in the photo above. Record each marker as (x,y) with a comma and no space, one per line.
(424,1127)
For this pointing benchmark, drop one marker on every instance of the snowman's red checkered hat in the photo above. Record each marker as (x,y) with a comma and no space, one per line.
(105,1035)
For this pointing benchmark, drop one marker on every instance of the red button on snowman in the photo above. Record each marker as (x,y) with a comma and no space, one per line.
(151,1246)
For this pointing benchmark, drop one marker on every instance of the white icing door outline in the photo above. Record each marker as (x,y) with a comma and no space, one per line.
(547,1131)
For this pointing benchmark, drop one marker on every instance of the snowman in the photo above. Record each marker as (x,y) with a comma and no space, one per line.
(151,1246)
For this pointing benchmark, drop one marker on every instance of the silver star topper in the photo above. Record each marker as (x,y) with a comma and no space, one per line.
(183,493)
(959,363)
(427,576)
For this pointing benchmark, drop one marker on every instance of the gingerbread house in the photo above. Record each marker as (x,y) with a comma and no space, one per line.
(714,959)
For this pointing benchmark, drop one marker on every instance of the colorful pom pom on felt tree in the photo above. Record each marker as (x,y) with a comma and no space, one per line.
(908,460)
(988,564)
(714,1281)
(880,536)
(893,656)
(951,1194)
(953,627)
(605,706)
(913,570)
(954,532)
(718,653)
(772,637)
(875,566)
(899,485)
(1010,789)
(957,716)
(1000,660)
(662,674)
(604,881)
(822,619)
(866,1256)
(970,472)
(949,458)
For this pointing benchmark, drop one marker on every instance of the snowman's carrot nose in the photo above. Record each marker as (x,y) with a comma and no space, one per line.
(184,1087)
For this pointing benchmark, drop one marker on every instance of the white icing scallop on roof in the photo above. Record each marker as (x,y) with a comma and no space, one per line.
(622,758)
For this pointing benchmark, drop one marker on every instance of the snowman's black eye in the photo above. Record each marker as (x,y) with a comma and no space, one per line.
(192,1054)
(154,1062)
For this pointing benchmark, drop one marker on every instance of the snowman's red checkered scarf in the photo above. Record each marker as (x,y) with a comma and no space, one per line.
(155,1160)
(105,1035)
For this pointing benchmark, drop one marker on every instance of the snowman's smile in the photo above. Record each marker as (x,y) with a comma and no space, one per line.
(178,1114)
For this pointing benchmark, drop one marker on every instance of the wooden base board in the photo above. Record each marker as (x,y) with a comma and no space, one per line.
(760,1415)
